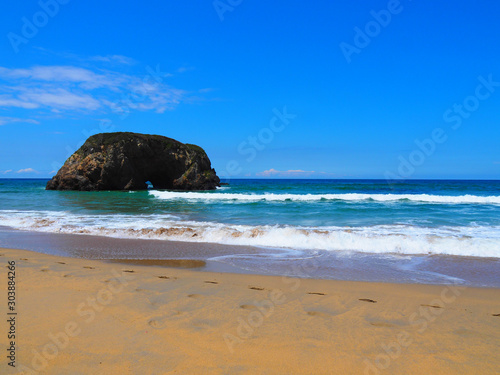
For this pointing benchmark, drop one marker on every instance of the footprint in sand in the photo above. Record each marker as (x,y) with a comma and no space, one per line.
(248,307)
(382,324)
(329,307)
(468,333)
(157,323)
(321,314)
(23,258)
(203,324)
(433,306)
(196,295)
(495,314)
(367,300)
(61,262)
(44,270)
(167,277)
(89,268)
(211,282)
(129,271)
(316,293)
(255,288)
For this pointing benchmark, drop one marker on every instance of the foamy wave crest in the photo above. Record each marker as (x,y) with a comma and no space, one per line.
(479,241)
(424,198)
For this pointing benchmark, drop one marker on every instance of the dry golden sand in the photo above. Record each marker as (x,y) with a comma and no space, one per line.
(91,317)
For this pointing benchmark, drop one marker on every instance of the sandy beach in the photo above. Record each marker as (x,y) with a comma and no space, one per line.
(238,187)
(77,316)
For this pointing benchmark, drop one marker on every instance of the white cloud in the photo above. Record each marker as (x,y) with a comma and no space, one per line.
(73,88)
(58,98)
(208,89)
(289,173)
(51,73)
(183,69)
(8,120)
(7,171)
(6,101)
(27,170)
(114,59)
(294,173)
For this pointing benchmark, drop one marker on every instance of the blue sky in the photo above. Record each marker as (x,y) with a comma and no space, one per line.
(398,89)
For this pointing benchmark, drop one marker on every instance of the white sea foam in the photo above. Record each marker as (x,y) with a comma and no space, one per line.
(271,197)
(479,241)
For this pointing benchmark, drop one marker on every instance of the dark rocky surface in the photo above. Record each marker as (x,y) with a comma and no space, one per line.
(126,161)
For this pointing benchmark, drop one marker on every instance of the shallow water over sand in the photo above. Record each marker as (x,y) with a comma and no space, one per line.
(394,268)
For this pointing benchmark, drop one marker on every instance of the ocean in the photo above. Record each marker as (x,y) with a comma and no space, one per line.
(415,231)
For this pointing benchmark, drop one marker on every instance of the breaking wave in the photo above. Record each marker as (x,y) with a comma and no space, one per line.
(423,198)
(479,241)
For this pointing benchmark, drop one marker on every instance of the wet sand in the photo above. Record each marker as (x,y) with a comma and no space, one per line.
(175,263)
(81,316)
(355,266)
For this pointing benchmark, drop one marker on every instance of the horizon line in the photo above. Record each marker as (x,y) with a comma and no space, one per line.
(306,179)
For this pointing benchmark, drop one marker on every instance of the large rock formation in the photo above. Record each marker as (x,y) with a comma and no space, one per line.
(126,161)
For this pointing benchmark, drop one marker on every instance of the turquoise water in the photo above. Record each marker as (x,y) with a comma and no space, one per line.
(459,218)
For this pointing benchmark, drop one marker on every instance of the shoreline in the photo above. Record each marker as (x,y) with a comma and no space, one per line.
(102,318)
(353,266)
